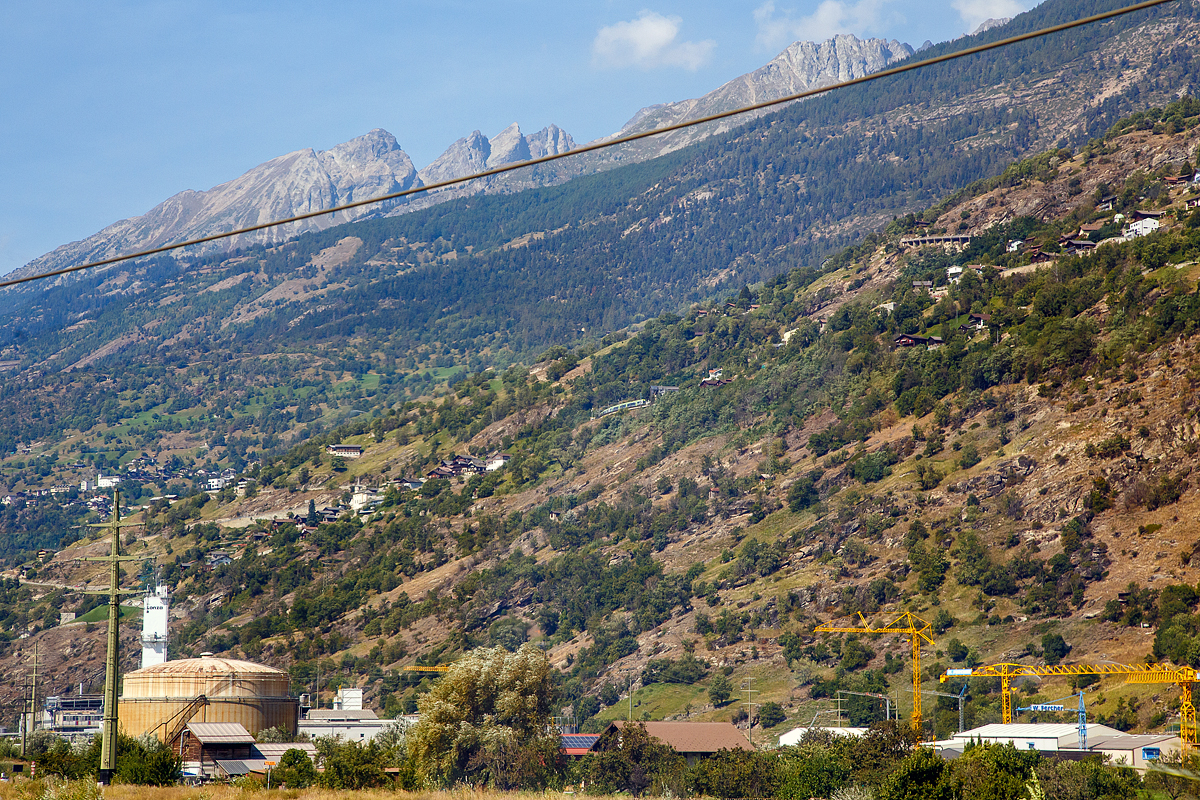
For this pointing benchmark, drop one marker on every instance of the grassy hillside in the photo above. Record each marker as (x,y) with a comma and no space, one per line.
(1025,487)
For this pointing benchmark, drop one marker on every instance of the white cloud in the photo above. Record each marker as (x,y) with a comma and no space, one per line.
(648,42)
(779,29)
(974,12)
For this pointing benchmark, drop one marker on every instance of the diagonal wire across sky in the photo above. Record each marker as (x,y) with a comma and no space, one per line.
(589,148)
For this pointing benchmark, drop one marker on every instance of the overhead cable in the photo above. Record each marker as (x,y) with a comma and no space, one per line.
(601,145)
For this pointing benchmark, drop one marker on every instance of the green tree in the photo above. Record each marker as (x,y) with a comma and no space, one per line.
(351,765)
(488,721)
(628,759)
(995,772)
(1055,648)
(771,714)
(922,775)
(810,770)
(719,690)
(276,735)
(803,493)
(737,774)
(295,771)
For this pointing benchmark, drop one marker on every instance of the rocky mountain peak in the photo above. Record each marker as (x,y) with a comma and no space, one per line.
(988,24)
(305,180)
(468,154)
(550,140)
(508,146)
(475,153)
(802,66)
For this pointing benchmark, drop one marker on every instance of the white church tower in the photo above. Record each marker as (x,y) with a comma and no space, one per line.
(154,626)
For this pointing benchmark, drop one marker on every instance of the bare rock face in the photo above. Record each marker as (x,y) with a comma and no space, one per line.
(374,165)
(549,141)
(988,24)
(476,153)
(306,180)
(467,155)
(508,147)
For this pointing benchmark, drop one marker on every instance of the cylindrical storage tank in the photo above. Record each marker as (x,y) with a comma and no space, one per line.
(155,699)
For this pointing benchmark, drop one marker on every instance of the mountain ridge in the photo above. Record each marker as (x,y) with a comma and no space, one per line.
(307,180)
(294,183)
(801,66)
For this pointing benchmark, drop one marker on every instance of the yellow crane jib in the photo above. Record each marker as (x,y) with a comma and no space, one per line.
(907,624)
(443,668)
(1184,677)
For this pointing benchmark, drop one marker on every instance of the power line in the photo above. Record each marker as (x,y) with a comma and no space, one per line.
(590,148)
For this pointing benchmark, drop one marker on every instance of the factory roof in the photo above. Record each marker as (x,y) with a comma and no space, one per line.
(207,665)
(1036,730)
(274,752)
(1128,741)
(342,715)
(220,733)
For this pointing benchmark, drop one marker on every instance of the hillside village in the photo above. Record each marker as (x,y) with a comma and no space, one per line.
(1051,506)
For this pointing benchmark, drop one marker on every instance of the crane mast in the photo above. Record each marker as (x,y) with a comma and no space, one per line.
(907,624)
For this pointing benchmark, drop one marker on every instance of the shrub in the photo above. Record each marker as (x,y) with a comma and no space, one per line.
(771,714)
(1055,648)
(968,456)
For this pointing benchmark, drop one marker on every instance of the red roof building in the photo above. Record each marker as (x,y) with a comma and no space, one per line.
(693,740)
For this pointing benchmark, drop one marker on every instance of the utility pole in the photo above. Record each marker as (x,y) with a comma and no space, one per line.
(108,745)
(33,693)
(750,704)
(24,722)
(29,706)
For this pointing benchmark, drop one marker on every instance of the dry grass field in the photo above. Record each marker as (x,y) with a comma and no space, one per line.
(57,789)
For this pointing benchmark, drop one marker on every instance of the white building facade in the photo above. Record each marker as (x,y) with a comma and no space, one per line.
(155,621)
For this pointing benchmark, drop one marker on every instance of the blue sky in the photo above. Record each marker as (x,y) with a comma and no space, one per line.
(106,109)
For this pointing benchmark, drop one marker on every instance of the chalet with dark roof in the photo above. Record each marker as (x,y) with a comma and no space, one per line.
(975,322)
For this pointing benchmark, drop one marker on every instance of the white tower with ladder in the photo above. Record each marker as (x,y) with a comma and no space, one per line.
(154,626)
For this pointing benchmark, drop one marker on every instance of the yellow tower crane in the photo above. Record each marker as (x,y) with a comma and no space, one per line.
(908,624)
(1184,677)
(442,668)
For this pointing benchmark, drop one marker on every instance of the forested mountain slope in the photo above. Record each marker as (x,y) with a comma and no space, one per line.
(241,354)
(1025,484)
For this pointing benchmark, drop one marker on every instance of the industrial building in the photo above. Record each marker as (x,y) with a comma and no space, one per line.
(227,750)
(1064,740)
(263,757)
(164,698)
(74,716)
(347,720)
(361,725)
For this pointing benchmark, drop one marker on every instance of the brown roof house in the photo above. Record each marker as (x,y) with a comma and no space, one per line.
(692,740)
(203,744)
